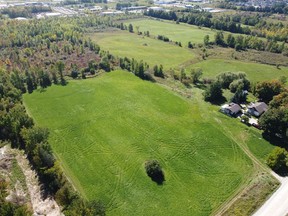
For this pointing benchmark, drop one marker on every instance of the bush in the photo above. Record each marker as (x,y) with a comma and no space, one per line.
(245,119)
(154,171)
(158,71)
(65,195)
(277,160)
(92,71)
(213,93)
(148,76)
(186,82)
(236,83)
(196,74)
(207,80)
(226,78)
(74,74)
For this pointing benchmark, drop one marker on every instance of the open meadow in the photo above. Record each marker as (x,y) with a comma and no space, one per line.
(104,129)
(255,71)
(154,52)
(176,32)
(181,32)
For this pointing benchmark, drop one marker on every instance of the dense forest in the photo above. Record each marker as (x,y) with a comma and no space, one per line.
(279,7)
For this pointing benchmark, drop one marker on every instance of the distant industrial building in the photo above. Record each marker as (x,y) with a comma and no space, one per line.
(111,13)
(164,2)
(156,8)
(134,8)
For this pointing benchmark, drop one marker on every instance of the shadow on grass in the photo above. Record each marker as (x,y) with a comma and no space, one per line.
(274,140)
(41,90)
(200,86)
(63,82)
(219,101)
(158,178)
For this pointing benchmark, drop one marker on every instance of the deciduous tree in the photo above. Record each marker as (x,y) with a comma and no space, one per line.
(267,89)
(277,160)
(214,92)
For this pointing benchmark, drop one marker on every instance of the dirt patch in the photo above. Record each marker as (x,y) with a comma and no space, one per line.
(5,161)
(16,192)
(40,206)
(26,188)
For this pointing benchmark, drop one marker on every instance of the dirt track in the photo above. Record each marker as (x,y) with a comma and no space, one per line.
(40,206)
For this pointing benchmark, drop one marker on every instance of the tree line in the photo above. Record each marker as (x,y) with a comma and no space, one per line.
(278,7)
(248,42)
(200,18)
(27,12)
(231,23)
(261,28)
(18,129)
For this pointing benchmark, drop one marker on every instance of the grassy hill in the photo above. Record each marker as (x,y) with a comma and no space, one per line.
(181,32)
(152,51)
(104,129)
(255,71)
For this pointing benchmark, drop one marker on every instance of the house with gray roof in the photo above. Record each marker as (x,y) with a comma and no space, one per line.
(257,109)
(231,109)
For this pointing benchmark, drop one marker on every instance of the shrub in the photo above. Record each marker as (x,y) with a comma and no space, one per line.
(277,160)
(245,119)
(148,76)
(213,93)
(74,74)
(236,83)
(154,171)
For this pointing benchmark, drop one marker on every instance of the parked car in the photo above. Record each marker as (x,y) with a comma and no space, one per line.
(256,126)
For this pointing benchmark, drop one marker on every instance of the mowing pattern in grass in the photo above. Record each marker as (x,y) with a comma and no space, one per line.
(104,129)
(181,32)
(255,72)
(124,44)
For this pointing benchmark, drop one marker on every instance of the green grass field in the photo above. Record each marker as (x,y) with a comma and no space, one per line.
(255,72)
(104,129)
(124,44)
(176,32)
(181,32)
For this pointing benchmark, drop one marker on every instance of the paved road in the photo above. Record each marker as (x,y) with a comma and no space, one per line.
(277,204)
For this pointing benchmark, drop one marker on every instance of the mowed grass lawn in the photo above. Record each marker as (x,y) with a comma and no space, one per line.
(255,72)
(104,129)
(176,32)
(154,52)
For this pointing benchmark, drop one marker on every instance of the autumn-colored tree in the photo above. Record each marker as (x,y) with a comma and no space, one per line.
(266,90)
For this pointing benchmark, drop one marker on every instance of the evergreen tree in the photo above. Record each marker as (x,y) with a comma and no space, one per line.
(130,28)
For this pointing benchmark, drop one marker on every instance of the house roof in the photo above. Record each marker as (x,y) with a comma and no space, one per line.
(234,107)
(260,107)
